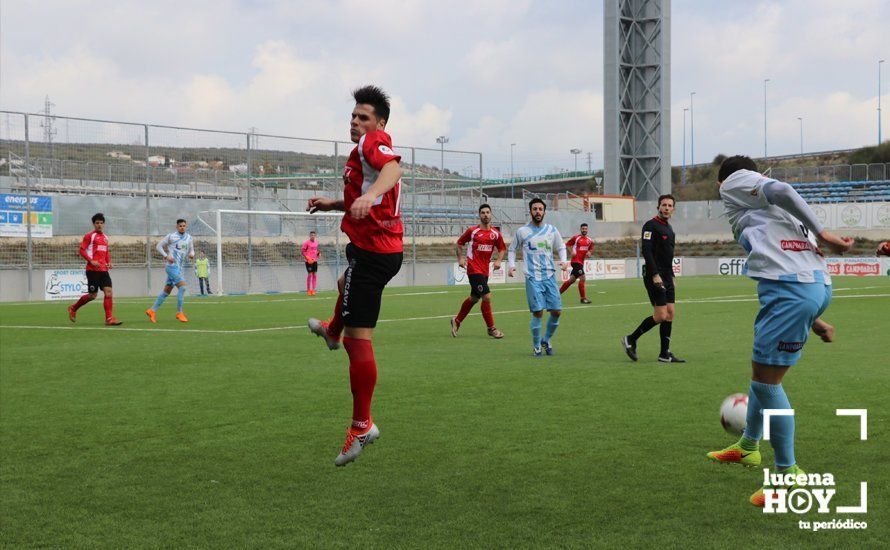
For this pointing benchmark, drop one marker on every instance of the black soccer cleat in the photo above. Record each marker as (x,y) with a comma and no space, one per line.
(670,358)
(585,301)
(629,349)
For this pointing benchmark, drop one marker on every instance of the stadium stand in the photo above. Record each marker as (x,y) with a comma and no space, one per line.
(849,191)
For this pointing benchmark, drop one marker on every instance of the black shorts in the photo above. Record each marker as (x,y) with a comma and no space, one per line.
(312,268)
(366,275)
(478,285)
(97,280)
(660,296)
(577,269)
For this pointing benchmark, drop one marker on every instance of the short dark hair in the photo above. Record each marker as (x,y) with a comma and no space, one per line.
(312,232)
(375,97)
(180,220)
(583,225)
(484,205)
(733,164)
(98,217)
(534,201)
(668,196)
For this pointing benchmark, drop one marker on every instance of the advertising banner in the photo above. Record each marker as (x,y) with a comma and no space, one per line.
(855,267)
(678,267)
(458,275)
(14,212)
(64,284)
(730,266)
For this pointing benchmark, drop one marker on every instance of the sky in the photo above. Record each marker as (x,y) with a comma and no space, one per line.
(483,73)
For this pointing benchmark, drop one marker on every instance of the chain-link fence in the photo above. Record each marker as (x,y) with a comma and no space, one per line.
(56,171)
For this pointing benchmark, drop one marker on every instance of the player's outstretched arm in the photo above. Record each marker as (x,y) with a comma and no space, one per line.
(324,204)
(836,244)
(785,197)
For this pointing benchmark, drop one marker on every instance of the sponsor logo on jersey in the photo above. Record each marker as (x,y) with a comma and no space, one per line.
(795,246)
(484,247)
(647,235)
(385,150)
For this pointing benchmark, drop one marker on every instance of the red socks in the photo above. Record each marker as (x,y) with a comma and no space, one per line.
(464,310)
(486,314)
(582,290)
(335,325)
(107,304)
(565,286)
(83,299)
(362,379)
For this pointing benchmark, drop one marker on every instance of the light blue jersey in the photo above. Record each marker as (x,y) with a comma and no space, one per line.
(537,244)
(179,245)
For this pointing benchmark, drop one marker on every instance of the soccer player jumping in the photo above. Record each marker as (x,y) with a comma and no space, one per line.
(781,235)
(372,221)
(582,247)
(537,240)
(480,240)
(658,277)
(175,247)
(94,249)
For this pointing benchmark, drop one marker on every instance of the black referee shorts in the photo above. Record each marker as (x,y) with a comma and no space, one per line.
(367,275)
(311,268)
(97,280)
(660,296)
(478,285)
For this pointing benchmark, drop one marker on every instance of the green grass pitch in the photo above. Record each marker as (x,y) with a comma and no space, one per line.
(211,434)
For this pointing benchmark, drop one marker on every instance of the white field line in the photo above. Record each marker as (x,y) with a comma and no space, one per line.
(714,300)
(194,300)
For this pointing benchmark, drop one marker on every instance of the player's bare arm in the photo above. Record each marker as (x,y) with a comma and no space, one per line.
(324,204)
(499,259)
(387,179)
(836,244)
(461,260)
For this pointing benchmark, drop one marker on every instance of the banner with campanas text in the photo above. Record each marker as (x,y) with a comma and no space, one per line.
(855,267)
(64,284)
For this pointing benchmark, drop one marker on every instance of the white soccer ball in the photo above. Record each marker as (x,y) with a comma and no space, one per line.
(734,413)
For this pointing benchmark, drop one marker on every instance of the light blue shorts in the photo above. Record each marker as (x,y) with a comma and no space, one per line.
(543,294)
(174,275)
(787,312)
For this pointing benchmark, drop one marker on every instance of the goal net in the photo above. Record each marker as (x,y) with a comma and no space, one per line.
(256,252)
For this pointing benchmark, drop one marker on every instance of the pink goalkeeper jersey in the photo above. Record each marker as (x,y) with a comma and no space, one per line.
(310,250)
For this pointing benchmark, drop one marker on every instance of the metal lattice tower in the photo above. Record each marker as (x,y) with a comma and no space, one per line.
(49,133)
(637,97)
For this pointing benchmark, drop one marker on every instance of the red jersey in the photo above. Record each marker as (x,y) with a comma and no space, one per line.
(95,247)
(480,246)
(581,246)
(381,231)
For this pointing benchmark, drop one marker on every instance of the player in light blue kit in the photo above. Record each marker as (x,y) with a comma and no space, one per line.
(538,240)
(175,248)
(782,237)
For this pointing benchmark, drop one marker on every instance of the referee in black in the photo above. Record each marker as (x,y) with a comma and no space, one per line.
(658,278)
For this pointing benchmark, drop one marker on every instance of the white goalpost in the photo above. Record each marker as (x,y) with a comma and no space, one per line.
(258,251)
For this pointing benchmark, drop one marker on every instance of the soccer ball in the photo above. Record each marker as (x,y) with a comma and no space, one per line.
(733,413)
